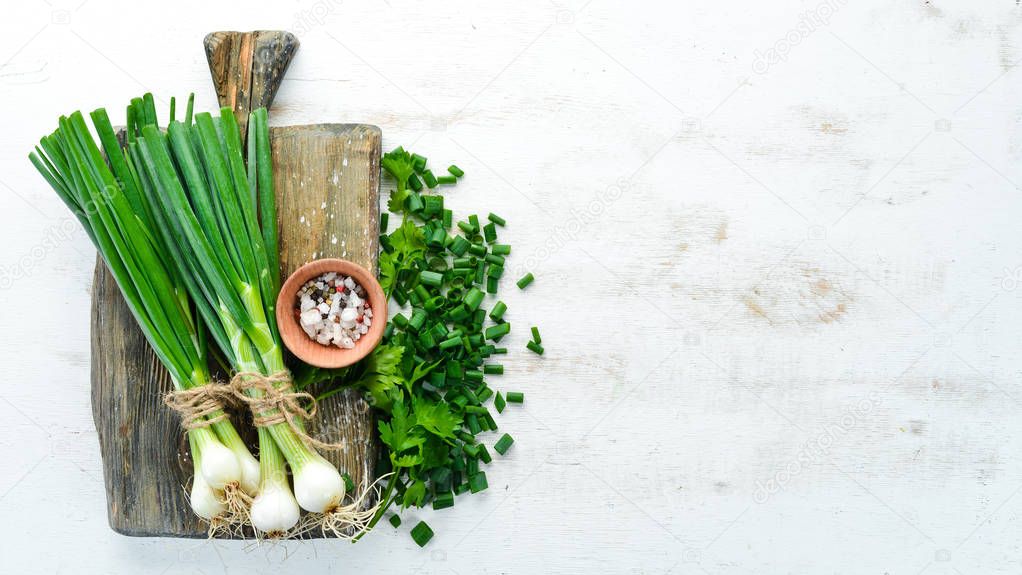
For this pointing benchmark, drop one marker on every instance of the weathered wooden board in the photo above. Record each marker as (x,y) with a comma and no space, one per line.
(247,68)
(327,184)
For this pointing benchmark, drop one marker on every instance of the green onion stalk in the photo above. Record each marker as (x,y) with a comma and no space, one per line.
(218,216)
(106,196)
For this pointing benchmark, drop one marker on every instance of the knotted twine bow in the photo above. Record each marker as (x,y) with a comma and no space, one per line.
(198,405)
(278,403)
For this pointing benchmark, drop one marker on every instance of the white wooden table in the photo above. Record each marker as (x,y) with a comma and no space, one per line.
(778,259)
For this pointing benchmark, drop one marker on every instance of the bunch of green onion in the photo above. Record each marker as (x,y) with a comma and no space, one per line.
(220,218)
(112,204)
(196,217)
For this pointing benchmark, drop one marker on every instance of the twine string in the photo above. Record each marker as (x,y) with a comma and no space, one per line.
(201,406)
(278,402)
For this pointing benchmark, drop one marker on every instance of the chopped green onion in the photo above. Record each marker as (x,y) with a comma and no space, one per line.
(477,482)
(446,180)
(500,249)
(433,279)
(459,246)
(438,378)
(421,533)
(473,298)
(497,312)
(498,331)
(526,280)
(455,171)
(422,293)
(484,394)
(496,219)
(503,444)
(433,205)
(414,182)
(493,369)
(515,397)
(437,238)
(395,520)
(534,347)
(429,178)
(490,233)
(443,500)
(415,201)
(499,402)
(484,454)
(418,319)
(491,422)
(535,335)
(451,342)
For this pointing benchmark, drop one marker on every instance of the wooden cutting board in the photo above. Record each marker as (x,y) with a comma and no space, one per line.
(327,185)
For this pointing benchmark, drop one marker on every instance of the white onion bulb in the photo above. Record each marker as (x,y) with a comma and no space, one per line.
(318,486)
(204,500)
(274,509)
(219,465)
(249,471)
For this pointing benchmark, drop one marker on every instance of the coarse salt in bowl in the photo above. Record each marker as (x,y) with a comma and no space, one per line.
(331,313)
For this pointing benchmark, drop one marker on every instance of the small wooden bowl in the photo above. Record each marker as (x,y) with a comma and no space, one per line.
(309,350)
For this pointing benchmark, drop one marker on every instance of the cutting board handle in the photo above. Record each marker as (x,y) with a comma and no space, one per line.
(247,68)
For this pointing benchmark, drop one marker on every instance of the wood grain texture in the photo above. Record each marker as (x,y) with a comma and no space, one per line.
(146,461)
(247,68)
(327,179)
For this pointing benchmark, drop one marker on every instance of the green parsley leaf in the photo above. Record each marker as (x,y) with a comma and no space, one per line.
(398,163)
(399,433)
(409,245)
(435,418)
(407,461)
(382,373)
(415,494)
